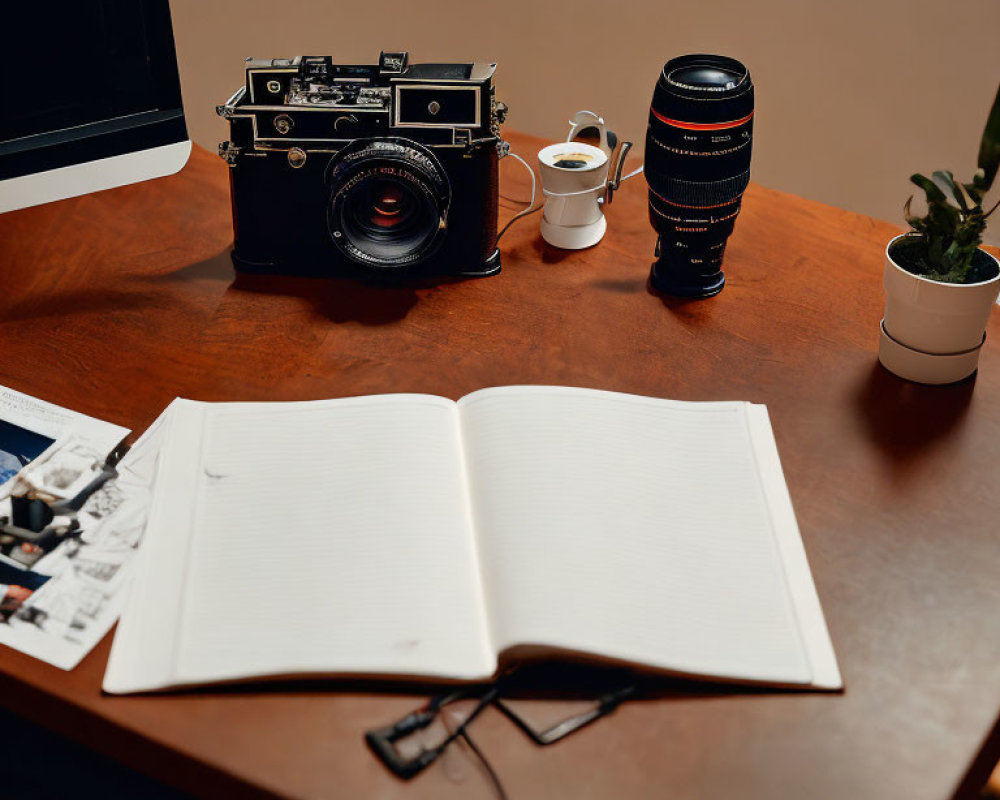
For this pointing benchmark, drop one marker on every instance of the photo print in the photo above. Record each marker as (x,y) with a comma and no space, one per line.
(18,448)
(16,586)
(58,601)
(64,471)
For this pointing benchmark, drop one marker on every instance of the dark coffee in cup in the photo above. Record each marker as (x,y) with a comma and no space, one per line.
(574,161)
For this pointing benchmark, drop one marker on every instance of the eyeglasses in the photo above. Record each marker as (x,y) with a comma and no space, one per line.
(416,741)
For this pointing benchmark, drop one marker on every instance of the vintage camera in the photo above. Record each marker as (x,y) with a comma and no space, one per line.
(384,172)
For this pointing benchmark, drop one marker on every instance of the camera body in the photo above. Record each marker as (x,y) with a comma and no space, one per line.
(383,173)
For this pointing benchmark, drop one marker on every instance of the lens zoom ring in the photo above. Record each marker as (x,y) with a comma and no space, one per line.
(692,193)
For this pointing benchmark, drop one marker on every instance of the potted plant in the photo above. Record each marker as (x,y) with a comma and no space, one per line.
(940,286)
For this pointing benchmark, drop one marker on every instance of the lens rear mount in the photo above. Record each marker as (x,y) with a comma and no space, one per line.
(388,203)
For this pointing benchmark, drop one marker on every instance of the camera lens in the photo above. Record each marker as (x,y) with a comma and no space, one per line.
(388,203)
(697,166)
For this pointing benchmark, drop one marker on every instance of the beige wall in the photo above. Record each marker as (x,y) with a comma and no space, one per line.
(852,95)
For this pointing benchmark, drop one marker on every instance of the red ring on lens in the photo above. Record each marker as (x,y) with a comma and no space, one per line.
(701,126)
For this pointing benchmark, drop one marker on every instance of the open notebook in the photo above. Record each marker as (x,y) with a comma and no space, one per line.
(412,536)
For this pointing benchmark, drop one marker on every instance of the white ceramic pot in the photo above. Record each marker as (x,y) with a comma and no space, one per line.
(932,332)
(572,217)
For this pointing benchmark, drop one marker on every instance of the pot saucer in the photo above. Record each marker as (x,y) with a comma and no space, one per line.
(921,367)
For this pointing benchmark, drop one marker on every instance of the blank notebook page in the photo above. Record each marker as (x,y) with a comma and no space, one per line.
(630,527)
(332,537)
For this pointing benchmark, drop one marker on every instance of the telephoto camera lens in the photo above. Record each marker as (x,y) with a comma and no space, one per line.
(697,165)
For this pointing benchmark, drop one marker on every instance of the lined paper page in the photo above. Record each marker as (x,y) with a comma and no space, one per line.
(331,537)
(629,527)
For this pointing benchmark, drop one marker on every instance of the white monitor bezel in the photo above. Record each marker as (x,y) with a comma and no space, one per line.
(93,176)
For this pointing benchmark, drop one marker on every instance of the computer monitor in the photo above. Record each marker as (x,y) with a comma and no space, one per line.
(90,98)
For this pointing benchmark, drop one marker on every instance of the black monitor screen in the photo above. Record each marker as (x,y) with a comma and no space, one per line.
(86,79)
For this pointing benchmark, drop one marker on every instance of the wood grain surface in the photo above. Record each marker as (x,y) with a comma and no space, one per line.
(114,303)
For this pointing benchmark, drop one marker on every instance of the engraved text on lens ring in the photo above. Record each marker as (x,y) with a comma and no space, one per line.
(712,221)
(681,152)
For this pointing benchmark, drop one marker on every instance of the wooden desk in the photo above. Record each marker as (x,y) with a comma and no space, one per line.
(112,304)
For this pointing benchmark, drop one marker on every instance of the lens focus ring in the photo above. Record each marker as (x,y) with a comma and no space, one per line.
(701,194)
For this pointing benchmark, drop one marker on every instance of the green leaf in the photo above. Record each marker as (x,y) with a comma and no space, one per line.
(934,194)
(917,223)
(945,178)
(944,219)
(974,191)
(989,148)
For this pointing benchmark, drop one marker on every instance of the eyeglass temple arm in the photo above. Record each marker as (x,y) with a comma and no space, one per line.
(606,703)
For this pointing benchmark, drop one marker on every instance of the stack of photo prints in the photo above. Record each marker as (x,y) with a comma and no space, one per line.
(58,600)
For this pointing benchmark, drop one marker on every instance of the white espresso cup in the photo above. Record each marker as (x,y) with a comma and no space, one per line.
(573,179)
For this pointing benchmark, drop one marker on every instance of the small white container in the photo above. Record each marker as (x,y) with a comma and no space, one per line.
(572,218)
(932,332)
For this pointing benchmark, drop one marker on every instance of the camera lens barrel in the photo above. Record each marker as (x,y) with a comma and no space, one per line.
(697,165)
(388,206)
